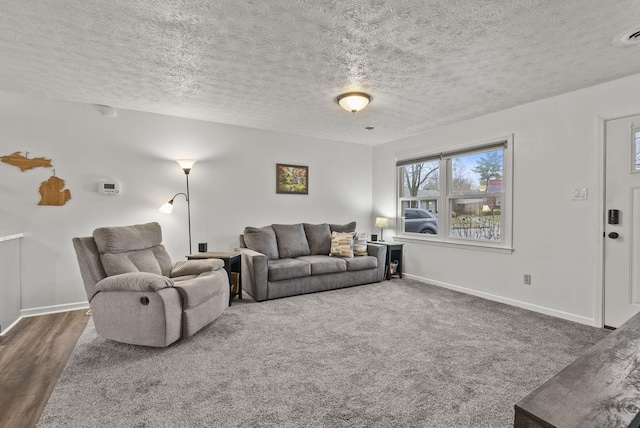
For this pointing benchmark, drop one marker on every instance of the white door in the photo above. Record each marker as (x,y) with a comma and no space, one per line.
(622,240)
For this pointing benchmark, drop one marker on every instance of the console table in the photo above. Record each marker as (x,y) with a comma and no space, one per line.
(232,263)
(600,389)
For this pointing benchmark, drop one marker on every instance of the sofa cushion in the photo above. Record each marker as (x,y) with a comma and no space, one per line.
(287,269)
(292,242)
(342,244)
(324,264)
(361,263)
(344,228)
(360,244)
(262,240)
(318,237)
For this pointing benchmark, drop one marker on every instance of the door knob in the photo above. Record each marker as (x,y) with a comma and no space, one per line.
(613,235)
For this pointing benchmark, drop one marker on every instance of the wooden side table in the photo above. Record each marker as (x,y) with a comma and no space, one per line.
(232,263)
(394,252)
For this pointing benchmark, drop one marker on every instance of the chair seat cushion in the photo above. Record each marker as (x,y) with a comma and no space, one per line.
(361,263)
(324,264)
(197,290)
(287,269)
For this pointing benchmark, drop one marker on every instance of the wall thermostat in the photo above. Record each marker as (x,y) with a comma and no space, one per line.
(109,188)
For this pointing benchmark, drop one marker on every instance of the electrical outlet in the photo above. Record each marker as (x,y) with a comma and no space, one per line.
(527,279)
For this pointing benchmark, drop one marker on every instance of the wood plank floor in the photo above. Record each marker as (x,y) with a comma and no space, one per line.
(32,356)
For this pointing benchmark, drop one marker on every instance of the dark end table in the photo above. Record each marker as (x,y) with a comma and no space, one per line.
(232,263)
(394,253)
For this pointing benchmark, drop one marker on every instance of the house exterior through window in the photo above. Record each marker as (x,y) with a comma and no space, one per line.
(462,196)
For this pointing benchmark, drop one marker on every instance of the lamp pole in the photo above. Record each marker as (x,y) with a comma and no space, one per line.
(186,165)
(186,173)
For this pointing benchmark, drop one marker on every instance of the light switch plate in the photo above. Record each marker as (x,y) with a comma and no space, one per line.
(580,194)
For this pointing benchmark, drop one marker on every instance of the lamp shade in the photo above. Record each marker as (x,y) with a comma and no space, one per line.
(354,101)
(186,163)
(382,222)
(166,208)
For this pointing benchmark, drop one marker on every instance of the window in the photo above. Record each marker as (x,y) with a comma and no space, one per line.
(636,151)
(457,197)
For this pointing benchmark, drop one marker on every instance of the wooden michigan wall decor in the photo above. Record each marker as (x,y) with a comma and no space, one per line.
(24,163)
(52,191)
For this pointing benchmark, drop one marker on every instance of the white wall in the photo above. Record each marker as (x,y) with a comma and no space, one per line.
(555,239)
(232,184)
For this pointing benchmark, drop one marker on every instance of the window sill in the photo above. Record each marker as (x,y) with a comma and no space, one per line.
(476,246)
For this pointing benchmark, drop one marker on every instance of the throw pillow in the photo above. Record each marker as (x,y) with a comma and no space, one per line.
(319,238)
(344,228)
(342,244)
(292,242)
(360,244)
(262,240)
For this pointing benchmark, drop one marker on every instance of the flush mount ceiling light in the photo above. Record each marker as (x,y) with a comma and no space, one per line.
(353,101)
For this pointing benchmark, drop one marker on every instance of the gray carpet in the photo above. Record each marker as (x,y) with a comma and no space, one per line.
(395,354)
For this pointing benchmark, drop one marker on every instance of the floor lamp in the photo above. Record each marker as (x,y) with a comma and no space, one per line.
(186,165)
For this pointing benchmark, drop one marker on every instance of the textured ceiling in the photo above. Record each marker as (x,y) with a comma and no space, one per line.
(279,64)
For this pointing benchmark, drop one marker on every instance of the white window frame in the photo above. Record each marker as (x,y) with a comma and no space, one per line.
(634,151)
(505,244)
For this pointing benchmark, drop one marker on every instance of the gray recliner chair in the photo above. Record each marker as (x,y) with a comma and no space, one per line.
(138,296)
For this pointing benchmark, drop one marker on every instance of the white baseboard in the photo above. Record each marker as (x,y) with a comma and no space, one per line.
(512,302)
(45,310)
(13,324)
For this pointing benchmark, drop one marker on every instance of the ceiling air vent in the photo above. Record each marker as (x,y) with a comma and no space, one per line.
(629,37)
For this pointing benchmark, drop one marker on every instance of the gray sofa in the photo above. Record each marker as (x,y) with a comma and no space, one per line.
(283,260)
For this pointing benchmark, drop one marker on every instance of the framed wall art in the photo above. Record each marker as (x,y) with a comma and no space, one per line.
(292,179)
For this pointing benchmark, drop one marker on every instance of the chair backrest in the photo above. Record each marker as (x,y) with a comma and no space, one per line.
(136,248)
(124,249)
(90,265)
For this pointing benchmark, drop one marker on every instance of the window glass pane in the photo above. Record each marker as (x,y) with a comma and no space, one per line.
(417,218)
(469,197)
(420,180)
(476,218)
(477,173)
(637,150)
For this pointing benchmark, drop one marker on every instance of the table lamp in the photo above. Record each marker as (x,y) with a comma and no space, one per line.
(382,223)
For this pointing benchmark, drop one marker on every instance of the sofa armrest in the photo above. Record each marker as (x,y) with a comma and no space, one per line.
(134,281)
(380,252)
(255,267)
(195,267)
